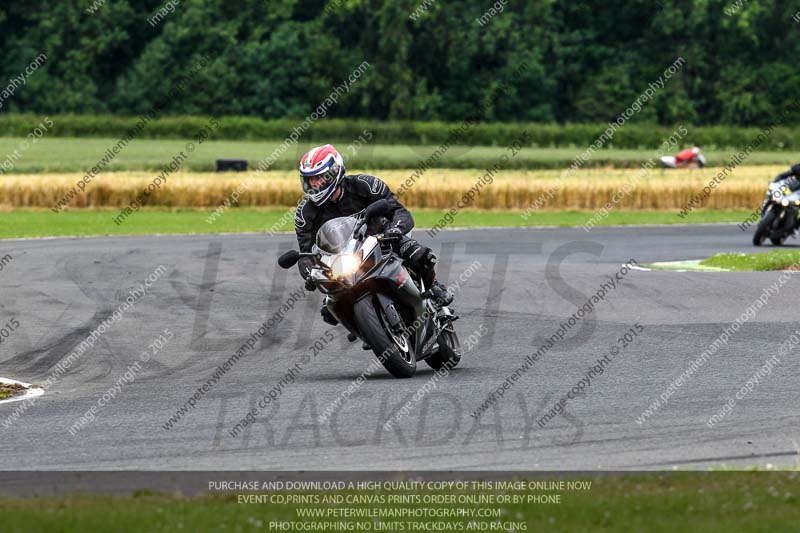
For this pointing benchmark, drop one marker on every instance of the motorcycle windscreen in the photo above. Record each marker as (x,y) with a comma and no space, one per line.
(334,235)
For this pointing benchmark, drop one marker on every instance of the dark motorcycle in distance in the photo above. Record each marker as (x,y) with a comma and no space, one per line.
(779,213)
(372,294)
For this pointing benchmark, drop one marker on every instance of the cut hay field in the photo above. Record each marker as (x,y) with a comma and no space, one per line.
(439,189)
(80,154)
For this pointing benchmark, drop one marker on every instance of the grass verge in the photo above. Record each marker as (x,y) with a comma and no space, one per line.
(80,154)
(658,502)
(7,390)
(776,260)
(17,223)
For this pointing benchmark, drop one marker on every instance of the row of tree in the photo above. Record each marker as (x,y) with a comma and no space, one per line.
(584,61)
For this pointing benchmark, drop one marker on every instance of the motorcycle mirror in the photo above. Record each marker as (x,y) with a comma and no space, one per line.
(376,209)
(289,259)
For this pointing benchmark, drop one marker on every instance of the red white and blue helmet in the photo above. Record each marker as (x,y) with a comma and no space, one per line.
(321,162)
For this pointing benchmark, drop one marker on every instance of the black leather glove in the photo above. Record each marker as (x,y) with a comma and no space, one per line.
(304,264)
(393,233)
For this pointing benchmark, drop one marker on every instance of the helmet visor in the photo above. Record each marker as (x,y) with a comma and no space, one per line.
(319,182)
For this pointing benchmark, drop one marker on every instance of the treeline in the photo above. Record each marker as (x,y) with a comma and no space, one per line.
(584,61)
(630,136)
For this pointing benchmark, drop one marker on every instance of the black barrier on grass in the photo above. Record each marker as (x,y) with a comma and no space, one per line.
(231,165)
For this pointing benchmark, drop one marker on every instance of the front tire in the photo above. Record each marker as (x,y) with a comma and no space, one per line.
(399,363)
(764,228)
(449,353)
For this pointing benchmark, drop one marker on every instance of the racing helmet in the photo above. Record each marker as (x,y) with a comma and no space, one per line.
(324,167)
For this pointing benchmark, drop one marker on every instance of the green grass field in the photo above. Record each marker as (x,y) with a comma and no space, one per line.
(77,222)
(80,154)
(774,260)
(660,502)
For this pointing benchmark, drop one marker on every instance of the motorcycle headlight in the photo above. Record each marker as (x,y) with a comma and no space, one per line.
(345,264)
(784,202)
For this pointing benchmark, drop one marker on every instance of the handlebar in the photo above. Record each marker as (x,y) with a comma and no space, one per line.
(382,237)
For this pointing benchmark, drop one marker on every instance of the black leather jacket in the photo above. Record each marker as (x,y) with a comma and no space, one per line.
(358,191)
(792,172)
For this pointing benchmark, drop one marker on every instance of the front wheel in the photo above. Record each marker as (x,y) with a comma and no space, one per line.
(395,352)
(449,354)
(764,228)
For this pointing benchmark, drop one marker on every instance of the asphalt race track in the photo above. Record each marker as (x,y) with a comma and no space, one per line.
(217,290)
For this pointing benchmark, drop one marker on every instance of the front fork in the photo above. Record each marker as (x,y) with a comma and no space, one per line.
(391,314)
(767,205)
(439,319)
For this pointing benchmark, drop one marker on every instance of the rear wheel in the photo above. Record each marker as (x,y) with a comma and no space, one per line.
(764,228)
(449,354)
(394,351)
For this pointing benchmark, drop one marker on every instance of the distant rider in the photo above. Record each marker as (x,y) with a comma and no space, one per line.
(330,194)
(690,157)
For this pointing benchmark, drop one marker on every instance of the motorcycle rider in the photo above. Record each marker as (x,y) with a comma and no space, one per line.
(793,184)
(690,156)
(685,158)
(793,172)
(329,193)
